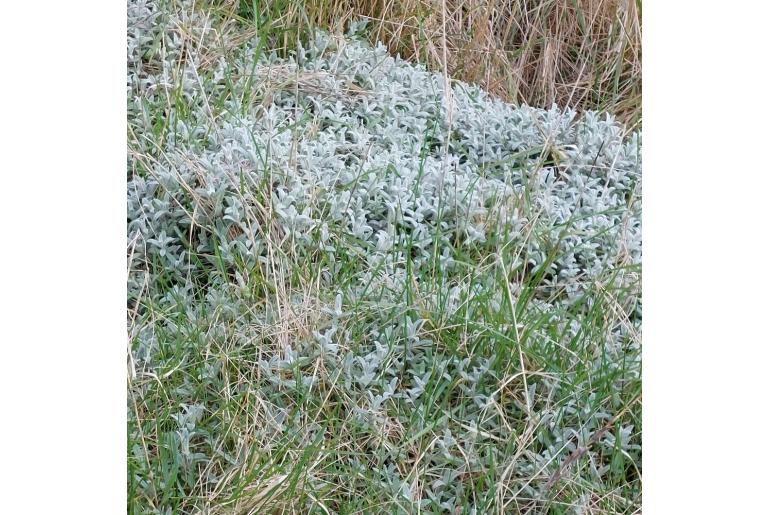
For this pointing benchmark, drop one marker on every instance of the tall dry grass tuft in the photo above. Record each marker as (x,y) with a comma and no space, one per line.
(584,54)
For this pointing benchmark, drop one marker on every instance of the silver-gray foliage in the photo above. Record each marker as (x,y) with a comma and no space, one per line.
(360,164)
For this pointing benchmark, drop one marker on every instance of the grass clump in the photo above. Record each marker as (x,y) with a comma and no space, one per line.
(358,286)
(584,54)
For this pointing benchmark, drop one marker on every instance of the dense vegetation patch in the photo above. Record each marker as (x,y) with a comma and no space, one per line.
(357,286)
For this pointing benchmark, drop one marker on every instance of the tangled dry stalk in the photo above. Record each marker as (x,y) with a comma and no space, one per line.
(584,54)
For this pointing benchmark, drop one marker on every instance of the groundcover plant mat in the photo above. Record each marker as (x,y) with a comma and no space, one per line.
(356,285)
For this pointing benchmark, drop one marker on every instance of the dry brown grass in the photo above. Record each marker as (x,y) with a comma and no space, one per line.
(584,54)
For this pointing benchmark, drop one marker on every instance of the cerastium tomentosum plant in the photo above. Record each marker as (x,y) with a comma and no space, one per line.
(349,291)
